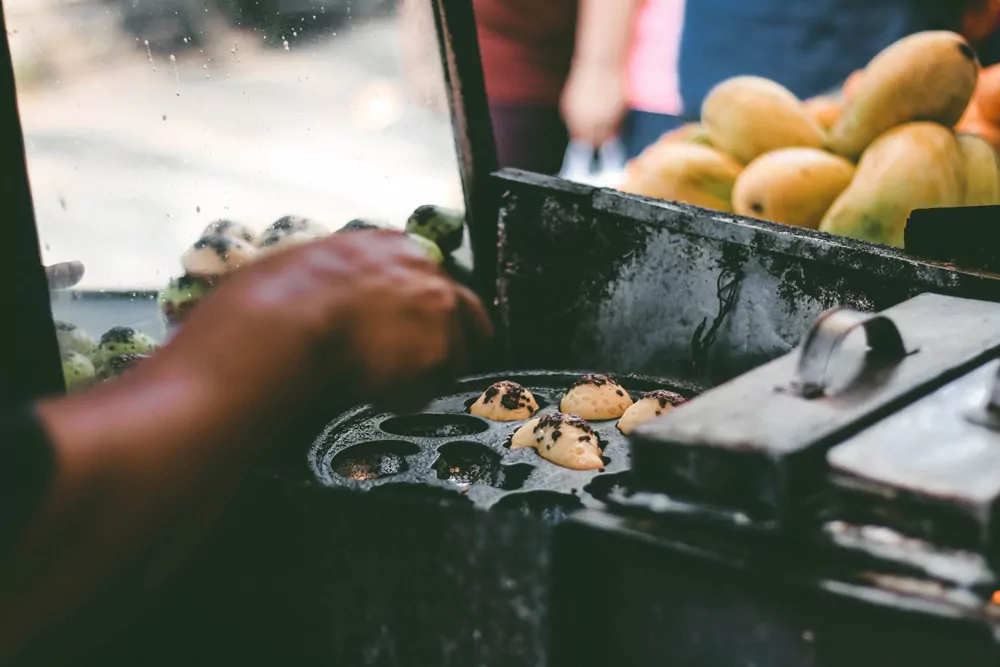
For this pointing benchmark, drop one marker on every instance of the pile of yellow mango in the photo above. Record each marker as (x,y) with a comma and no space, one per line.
(855,165)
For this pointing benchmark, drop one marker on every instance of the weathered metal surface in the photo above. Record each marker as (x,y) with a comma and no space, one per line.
(446,452)
(635,285)
(696,598)
(930,471)
(757,447)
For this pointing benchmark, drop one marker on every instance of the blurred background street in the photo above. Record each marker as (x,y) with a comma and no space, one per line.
(133,147)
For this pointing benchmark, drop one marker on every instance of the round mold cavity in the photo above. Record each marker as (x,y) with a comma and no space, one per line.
(604,486)
(467,463)
(435,426)
(374,460)
(550,506)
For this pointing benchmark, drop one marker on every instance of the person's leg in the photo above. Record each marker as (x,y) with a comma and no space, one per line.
(532,138)
(642,128)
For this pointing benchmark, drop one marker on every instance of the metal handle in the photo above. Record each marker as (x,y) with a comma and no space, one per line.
(993,403)
(988,415)
(825,338)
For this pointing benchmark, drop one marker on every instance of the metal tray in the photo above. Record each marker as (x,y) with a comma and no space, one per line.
(447,454)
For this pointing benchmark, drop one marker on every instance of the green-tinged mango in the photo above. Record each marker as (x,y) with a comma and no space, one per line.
(684,172)
(748,116)
(792,186)
(916,165)
(981,168)
(927,76)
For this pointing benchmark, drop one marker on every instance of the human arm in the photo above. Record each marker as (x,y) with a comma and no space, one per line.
(144,464)
(594,100)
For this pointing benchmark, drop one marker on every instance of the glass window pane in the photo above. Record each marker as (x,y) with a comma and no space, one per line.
(146,120)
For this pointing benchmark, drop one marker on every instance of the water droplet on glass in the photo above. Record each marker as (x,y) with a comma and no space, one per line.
(286,45)
(164,117)
(149,54)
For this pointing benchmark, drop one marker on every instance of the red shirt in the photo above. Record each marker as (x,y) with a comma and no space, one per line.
(527,48)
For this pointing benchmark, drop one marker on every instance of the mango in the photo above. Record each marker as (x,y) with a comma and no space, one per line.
(748,116)
(981,169)
(927,76)
(684,172)
(915,165)
(825,110)
(688,133)
(792,186)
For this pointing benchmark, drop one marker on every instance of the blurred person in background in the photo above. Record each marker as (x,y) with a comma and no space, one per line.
(809,47)
(554,70)
(653,87)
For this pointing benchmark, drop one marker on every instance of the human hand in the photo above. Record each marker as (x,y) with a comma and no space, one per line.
(594,102)
(355,318)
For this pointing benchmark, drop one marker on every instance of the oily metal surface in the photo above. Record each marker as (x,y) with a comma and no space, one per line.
(447,454)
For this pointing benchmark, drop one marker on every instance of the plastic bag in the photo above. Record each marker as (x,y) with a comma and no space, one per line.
(603,167)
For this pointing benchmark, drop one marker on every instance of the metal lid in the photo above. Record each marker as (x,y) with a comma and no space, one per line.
(931,471)
(757,445)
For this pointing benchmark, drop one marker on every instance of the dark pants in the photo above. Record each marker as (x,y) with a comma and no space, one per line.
(642,129)
(532,138)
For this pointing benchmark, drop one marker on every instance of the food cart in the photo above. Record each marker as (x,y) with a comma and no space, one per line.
(751,527)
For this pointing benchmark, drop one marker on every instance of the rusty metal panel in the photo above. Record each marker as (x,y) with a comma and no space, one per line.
(756,446)
(598,278)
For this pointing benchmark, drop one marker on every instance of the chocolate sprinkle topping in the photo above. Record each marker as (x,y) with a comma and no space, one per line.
(558,419)
(118,335)
(358,225)
(289,223)
(270,239)
(423,215)
(511,396)
(594,379)
(666,397)
(220,227)
(118,365)
(221,245)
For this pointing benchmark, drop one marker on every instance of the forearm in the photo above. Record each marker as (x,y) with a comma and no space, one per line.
(604,32)
(140,472)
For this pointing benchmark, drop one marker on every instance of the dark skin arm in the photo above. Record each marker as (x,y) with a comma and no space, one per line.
(145,464)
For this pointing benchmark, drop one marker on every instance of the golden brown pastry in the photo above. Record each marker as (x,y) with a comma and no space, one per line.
(652,405)
(566,440)
(505,402)
(596,397)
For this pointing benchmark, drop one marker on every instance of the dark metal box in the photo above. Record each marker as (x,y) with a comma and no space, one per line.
(756,446)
